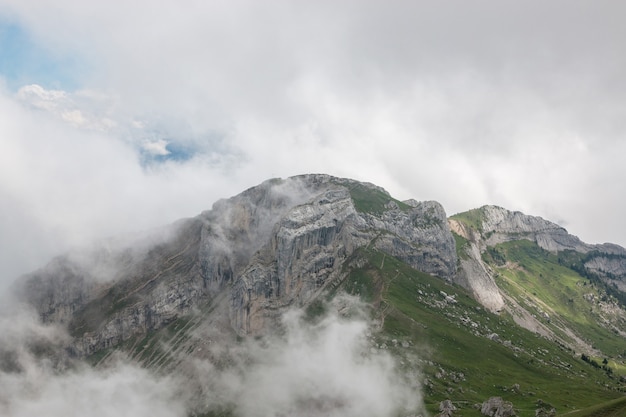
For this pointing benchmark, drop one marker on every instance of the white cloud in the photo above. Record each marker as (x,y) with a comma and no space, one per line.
(327,369)
(41,98)
(156,147)
(82,109)
(61,186)
(54,385)
(465,105)
(330,367)
(124,390)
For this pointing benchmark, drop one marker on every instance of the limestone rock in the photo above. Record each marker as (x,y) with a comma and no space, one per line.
(446,409)
(420,236)
(497,407)
(544,409)
(502,225)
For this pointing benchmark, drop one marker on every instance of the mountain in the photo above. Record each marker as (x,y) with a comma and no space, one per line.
(487,303)
(507,256)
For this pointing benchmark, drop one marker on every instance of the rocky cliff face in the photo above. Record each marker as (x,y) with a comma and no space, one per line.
(502,225)
(311,242)
(275,245)
(106,294)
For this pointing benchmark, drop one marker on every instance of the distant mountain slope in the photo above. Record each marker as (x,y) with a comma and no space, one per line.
(548,280)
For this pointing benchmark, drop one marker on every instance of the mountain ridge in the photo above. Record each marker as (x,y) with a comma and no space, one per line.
(311,212)
(295,242)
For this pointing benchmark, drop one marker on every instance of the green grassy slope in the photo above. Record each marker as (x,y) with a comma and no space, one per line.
(373,201)
(472,218)
(451,334)
(539,281)
(615,408)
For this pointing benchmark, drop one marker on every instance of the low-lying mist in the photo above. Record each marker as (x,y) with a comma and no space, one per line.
(38,378)
(327,366)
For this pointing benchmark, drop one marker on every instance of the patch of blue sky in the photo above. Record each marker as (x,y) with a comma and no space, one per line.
(24,61)
(176,152)
(179,152)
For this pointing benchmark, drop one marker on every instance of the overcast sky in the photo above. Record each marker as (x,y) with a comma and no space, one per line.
(120,116)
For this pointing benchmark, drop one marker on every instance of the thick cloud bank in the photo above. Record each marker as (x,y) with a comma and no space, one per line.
(37,379)
(518,104)
(122,391)
(326,369)
(329,367)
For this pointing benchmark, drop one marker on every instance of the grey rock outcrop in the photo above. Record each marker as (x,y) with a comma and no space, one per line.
(497,407)
(610,266)
(419,236)
(544,409)
(302,256)
(56,291)
(70,282)
(502,225)
(446,409)
(281,244)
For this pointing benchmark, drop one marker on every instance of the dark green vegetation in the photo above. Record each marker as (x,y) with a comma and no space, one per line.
(466,353)
(576,261)
(462,245)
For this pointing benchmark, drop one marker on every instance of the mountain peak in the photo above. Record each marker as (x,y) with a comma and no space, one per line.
(497,225)
(498,219)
